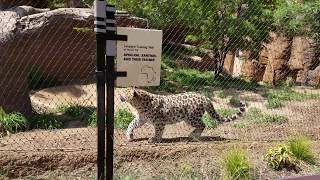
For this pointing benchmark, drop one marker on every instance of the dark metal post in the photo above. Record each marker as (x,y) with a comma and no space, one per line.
(110,77)
(100,75)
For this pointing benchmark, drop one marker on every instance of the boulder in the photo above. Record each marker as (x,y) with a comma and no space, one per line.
(252,70)
(313,77)
(278,56)
(302,57)
(229,63)
(4,4)
(60,43)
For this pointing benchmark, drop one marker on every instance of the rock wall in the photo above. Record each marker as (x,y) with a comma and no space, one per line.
(282,58)
(60,43)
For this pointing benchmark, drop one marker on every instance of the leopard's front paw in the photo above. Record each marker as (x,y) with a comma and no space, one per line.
(130,137)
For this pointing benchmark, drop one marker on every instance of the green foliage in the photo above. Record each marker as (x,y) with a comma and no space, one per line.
(257,116)
(222,95)
(123,117)
(209,122)
(37,79)
(281,157)
(54,4)
(78,111)
(297,17)
(239,125)
(92,121)
(12,122)
(83,29)
(226,111)
(276,97)
(235,101)
(301,149)
(236,165)
(46,121)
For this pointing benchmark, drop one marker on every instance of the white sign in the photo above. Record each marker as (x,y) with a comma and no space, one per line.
(140,57)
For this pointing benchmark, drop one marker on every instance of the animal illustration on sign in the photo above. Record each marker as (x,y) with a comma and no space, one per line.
(149,72)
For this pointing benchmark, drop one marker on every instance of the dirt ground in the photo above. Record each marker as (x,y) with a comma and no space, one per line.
(71,153)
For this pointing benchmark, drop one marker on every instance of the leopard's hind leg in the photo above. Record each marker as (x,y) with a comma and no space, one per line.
(199,126)
(159,129)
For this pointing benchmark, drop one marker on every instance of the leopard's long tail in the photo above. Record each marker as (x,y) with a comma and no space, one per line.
(213,113)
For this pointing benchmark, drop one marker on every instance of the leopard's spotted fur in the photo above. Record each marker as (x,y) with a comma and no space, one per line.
(161,110)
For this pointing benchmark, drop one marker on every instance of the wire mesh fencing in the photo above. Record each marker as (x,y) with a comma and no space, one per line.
(263,53)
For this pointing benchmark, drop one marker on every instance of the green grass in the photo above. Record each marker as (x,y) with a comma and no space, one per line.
(122,119)
(77,111)
(175,78)
(12,122)
(277,97)
(255,115)
(212,123)
(301,148)
(240,125)
(236,165)
(46,121)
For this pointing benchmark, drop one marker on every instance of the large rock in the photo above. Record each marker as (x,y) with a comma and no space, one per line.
(278,56)
(60,43)
(313,77)
(252,70)
(302,57)
(4,4)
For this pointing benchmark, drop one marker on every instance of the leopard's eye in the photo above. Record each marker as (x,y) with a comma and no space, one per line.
(135,94)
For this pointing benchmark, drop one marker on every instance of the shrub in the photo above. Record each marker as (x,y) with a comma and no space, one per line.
(222,95)
(281,157)
(236,165)
(301,148)
(46,121)
(235,101)
(12,122)
(122,119)
(77,111)
(226,111)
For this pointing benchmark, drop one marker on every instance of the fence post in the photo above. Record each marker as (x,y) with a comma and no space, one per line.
(111,74)
(100,30)
(110,77)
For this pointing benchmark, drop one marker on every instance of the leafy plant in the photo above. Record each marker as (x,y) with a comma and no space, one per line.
(46,121)
(281,157)
(12,122)
(222,95)
(239,125)
(77,111)
(122,119)
(301,149)
(236,165)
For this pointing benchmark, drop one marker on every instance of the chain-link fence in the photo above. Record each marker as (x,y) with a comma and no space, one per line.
(263,53)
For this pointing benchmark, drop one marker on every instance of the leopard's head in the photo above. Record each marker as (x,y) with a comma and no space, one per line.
(134,96)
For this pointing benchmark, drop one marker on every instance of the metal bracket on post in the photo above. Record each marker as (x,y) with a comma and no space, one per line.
(100,30)
(111,48)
